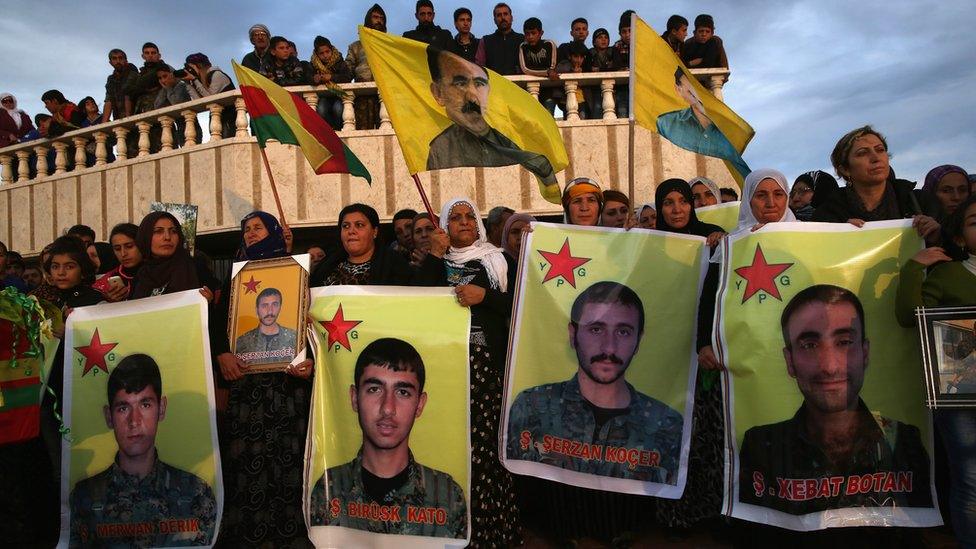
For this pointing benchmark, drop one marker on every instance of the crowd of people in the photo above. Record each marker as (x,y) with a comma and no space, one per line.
(263,418)
(132,90)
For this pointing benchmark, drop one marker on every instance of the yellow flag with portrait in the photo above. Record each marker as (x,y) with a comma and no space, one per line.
(448,112)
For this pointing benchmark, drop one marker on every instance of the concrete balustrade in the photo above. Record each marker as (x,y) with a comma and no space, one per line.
(225,176)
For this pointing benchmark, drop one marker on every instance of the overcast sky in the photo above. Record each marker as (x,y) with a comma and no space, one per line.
(803,72)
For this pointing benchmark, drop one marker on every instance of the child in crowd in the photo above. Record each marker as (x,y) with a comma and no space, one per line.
(537,57)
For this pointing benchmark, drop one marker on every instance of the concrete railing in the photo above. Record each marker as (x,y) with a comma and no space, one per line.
(219,169)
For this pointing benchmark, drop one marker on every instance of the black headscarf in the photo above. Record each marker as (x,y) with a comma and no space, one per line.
(270,246)
(694,226)
(822,184)
(168,275)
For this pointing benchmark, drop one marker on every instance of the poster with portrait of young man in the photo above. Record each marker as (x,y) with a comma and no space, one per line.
(602,363)
(132,399)
(268,302)
(388,459)
(825,411)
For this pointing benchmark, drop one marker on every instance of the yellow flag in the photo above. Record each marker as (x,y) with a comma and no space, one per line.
(669,100)
(467,116)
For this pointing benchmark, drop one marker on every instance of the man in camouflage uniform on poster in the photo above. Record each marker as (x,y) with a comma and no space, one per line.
(596,422)
(834,452)
(384,489)
(269,341)
(139,500)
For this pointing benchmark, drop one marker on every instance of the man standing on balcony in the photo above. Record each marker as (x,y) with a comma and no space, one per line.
(426,31)
(259,60)
(142,92)
(116,104)
(465,44)
(704,50)
(367,107)
(499,50)
(287,70)
(202,80)
(174,91)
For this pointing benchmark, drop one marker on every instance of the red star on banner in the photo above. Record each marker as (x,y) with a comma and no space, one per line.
(251,286)
(94,353)
(761,275)
(562,263)
(338,329)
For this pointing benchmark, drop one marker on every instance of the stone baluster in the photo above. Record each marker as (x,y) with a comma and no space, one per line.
(312,99)
(42,167)
(216,126)
(385,123)
(144,128)
(60,157)
(121,145)
(6,169)
(190,131)
(348,112)
(609,108)
(717,82)
(23,166)
(533,88)
(572,103)
(166,137)
(101,148)
(240,122)
(81,159)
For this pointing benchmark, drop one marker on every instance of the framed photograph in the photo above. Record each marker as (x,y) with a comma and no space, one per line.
(948,336)
(186,214)
(268,306)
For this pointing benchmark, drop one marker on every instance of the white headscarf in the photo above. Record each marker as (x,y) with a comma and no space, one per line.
(711,186)
(492,258)
(14,112)
(747,220)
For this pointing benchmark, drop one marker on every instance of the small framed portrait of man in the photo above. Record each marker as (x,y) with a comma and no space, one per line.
(948,335)
(268,305)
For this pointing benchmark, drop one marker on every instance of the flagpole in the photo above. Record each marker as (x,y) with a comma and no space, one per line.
(423,196)
(630,163)
(274,188)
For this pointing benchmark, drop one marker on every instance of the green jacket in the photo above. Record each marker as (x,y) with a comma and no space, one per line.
(253,347)
(430,503)
(554,424)
(947,285)
(167,507)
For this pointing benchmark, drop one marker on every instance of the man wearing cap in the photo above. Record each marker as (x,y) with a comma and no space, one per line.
(259,60)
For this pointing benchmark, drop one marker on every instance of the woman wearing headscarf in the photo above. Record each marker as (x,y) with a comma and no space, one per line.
(809,191)
(461,256)
(361,260)
(765,198)
(512,243)
(266,426)
(167,266)
(582,202)
(676,212)
(14,122)
(646,215)
(872,194)
(949,184)
(704,192)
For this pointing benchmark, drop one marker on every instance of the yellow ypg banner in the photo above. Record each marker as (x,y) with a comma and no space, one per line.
(448,112)
(725,215)
(603,318)
(669,100)
(825,398)
(390,399)
(143,466)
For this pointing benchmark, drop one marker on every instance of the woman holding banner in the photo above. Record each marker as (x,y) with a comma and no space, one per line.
(267,417)
(582,202)
(167,266)
(861,158)
(703,491)
(361,261)
(461,256)
(949,284)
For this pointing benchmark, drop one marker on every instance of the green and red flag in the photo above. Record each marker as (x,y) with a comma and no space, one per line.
(283,116)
